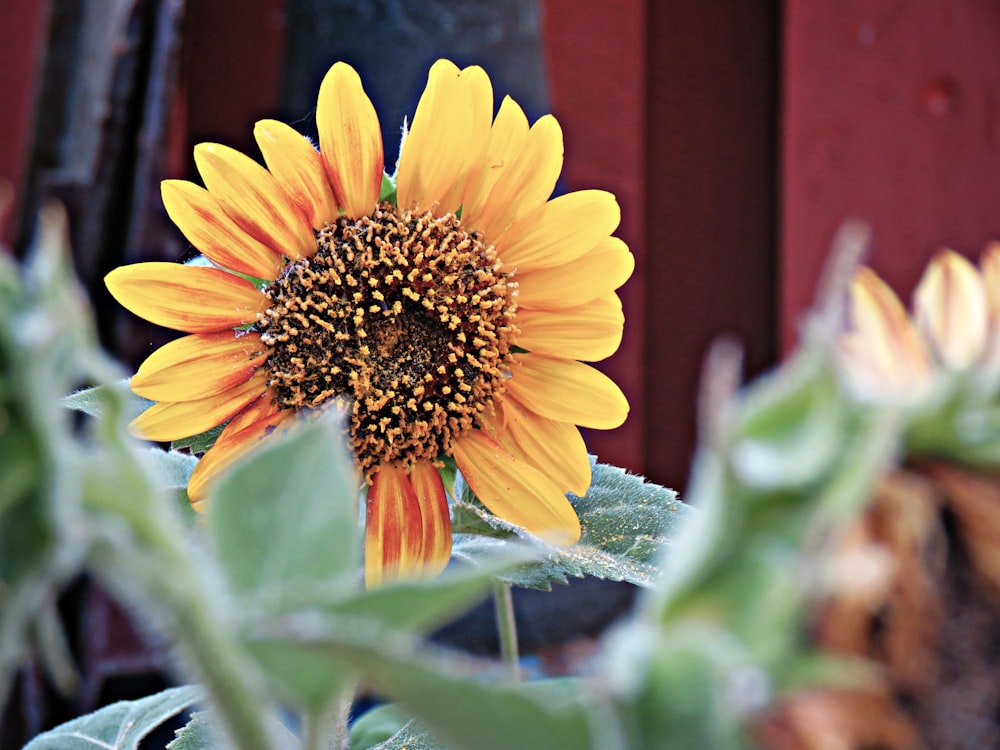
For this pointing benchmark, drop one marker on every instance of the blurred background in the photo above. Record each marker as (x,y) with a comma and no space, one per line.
(737,136)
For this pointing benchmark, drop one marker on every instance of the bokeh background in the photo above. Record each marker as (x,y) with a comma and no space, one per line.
(737,134)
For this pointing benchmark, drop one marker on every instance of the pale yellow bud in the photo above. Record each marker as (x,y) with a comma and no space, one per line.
(883,354)
(951,309)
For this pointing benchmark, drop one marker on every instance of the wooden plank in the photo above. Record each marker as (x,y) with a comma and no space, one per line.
(892,115)
(596,64)
(23,26)
(710,152)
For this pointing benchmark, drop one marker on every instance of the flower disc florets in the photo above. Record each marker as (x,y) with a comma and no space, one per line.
(406,317)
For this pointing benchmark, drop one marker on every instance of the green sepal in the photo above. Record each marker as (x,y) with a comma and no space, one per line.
(387,192)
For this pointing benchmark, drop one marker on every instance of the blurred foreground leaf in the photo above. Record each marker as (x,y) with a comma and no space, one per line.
(47,347)
(443,693)
(284,526)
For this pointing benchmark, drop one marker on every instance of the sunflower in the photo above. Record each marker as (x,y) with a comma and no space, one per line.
(445,308)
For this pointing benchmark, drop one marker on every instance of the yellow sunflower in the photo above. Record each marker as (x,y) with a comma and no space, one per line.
(448,318)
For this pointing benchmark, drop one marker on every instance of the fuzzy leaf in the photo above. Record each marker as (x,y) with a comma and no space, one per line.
(375,728)
(297,539)
(301,528)
(625,524)
(442,692)
(199,734)
(198,443)
(94,401)
(120,726)
(195,735)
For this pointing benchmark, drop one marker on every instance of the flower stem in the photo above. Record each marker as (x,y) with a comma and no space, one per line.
(328,730)
(507,629)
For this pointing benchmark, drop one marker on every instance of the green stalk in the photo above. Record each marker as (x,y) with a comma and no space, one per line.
(507,629)
(158,560)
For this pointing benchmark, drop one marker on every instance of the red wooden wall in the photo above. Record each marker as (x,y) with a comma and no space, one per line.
(736,135)
(891,113)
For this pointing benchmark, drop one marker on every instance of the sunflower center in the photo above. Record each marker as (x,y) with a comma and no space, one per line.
(403,317)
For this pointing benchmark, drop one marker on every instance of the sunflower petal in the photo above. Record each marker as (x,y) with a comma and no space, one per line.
(407,527)
(449,136)
(299,168)
(554,448)
(529,181)
(173,420)
(207,226)
(507,137)
(435,517)
(595,274)
(589,332)
(254,200)
(197,366)
(566,390)
(257,420)
(559,231)
(193,299)
(350,140)
(514,490)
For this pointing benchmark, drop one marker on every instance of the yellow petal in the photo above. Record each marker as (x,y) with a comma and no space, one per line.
(566,390)
(514,490)
(256,421)
(883,353)
(595,274)
(590,332)
(200,217)
(173,420)
(559,231)
(299,168)
(254,200)
(194,299)
(197,366)
(507,138)
(951,309)
(449,137)
(554,448)
(350,140)
(407,525)
(435,517)
(527,183)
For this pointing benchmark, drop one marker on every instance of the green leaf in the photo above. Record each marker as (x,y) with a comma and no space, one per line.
(197,734)
(95,402)
(688,687)
(446,692)
(284,524)
(377,726)
(416,606)
(625,523)
(411,736)
(176,468)
(200,733)
(47,345)
(791,427)
(285,518)
(120,726)
(411,606)
(198,443)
